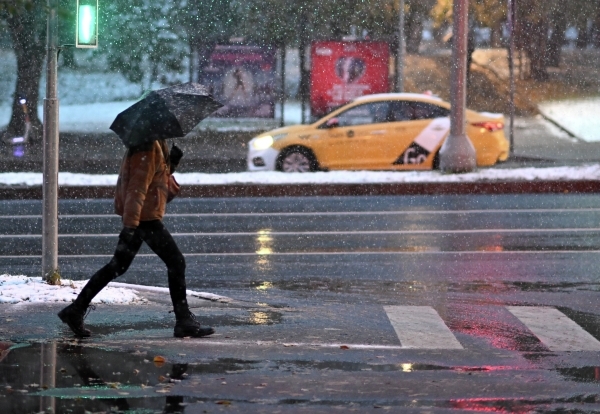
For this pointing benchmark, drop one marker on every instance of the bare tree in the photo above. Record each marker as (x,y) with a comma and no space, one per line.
(26,21)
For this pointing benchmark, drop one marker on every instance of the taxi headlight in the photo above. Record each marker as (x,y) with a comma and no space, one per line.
(262,143)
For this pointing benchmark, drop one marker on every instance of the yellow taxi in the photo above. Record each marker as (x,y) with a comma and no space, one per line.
(394,131)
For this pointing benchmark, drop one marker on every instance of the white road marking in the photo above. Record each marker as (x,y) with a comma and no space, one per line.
(328,213)
(555,329)
(316,253)
(421,327)
(323,233)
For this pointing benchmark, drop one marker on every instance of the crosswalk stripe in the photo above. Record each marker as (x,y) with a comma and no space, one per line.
(555,329)
(421,327)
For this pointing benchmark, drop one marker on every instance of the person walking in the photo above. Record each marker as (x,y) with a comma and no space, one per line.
(144,187)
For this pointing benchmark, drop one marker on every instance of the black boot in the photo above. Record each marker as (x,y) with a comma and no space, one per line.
(188,326)
(73,316)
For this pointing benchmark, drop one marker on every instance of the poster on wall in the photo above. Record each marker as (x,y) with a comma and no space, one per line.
(342,71)
(243,78)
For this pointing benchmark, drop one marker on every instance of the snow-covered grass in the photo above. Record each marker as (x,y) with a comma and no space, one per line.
(585,172)
(97,117)
(578,116)
(23,289)
(90,98)
(88,84)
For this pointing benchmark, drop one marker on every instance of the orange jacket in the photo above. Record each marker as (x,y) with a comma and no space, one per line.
(142,187)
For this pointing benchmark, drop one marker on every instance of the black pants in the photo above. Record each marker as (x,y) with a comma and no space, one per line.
(158,238)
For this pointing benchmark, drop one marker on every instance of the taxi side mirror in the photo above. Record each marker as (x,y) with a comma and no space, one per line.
(332,123)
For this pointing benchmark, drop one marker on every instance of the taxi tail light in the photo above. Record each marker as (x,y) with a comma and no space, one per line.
(491,126)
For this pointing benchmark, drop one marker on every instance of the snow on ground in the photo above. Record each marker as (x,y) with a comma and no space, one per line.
(24,289)
(584,172)
(16,289)
(97,118)
(579,116)
(589,172)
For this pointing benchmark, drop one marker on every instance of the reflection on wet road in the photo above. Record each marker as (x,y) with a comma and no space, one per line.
(91,379)
(437,304)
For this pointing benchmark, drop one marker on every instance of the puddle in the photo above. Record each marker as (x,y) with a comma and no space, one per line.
(264,317)
(500,405)
(553,287)
(72,378)
(68,377)
(492,325)
(358,366)
(383,367)
(584,374)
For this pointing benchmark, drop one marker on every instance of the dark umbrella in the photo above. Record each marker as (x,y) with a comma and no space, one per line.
(165,113)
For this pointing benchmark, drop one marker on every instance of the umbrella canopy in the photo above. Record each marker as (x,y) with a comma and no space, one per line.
(165,113)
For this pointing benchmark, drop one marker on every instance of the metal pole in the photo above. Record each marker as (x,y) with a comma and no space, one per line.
(457,155)
(302,56)
(401,50)
(281,121)
(50,177)
(511,62)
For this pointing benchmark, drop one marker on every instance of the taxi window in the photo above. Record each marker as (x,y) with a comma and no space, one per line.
(423,110)
(370,113)
(401,111)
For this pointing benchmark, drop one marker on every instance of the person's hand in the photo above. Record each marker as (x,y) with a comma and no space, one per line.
(127,234)
(175,155)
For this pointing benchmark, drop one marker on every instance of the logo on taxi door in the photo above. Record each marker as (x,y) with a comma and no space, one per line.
(414,154)
(427,141)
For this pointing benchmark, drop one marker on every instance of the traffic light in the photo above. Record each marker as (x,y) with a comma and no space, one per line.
(86,35)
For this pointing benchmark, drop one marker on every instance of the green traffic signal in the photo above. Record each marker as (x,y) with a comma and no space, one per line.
(87,24)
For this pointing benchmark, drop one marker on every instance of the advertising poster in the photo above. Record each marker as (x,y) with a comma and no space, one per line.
(342,71)
(243,78)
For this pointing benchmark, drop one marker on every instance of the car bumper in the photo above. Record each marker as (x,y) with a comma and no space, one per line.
(263,160)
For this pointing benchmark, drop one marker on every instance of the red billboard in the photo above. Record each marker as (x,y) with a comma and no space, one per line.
(342,71)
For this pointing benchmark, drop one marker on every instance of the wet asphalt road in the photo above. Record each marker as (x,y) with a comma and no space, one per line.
(404,304)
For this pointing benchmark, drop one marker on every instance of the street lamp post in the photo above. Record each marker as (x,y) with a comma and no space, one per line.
(457,155)
(282,97)
(401,50)
(50,176)
(511,61)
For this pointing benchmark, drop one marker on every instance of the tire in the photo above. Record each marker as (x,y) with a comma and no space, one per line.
(297,160)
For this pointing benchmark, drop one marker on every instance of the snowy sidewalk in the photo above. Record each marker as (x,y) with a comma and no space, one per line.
(29,290)
(491,174)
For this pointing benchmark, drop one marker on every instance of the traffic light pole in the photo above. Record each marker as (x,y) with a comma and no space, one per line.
(457,155)
(50,177)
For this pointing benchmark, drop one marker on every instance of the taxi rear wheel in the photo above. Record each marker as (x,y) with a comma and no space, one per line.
(297,159)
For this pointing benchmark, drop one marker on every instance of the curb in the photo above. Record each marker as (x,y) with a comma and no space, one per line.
(303,190)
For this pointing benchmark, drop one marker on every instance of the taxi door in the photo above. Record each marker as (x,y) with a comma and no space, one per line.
(355,141)
(419,130)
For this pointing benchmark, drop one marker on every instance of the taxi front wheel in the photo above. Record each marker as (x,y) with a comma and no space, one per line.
(297,160)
